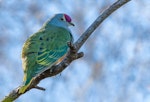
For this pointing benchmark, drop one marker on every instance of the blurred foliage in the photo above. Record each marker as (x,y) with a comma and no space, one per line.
(116,64)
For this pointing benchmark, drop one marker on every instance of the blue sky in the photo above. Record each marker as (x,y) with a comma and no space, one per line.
(116,64)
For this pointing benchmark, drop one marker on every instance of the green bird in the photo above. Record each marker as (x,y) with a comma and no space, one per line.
(47,47)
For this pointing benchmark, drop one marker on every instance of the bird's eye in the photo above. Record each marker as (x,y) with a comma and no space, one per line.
(62,19)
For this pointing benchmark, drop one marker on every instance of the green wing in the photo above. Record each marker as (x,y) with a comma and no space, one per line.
(44,48)
(53,46)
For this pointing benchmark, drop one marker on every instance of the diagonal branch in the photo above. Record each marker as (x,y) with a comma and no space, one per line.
(72,53)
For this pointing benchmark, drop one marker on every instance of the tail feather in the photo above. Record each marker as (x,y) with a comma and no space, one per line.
(23,88)
(26,83)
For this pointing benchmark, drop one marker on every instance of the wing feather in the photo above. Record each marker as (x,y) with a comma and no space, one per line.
(44,48)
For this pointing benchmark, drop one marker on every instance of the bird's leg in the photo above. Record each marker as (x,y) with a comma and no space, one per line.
(72,47)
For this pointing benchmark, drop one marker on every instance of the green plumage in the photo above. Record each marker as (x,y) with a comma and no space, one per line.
(43,49)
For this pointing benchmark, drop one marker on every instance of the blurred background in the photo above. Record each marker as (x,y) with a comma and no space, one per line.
(116,65)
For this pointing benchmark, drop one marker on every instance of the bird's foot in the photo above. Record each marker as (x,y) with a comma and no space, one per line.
(73,51)
(72,47)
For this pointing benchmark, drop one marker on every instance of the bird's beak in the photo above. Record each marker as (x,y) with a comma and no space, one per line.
(71,24)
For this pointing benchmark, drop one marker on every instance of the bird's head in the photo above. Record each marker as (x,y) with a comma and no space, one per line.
(61,20)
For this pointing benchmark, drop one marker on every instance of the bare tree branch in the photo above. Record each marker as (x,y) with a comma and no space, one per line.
(72,53)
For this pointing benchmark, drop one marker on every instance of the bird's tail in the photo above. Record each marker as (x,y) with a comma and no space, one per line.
(23,88)
(26,83)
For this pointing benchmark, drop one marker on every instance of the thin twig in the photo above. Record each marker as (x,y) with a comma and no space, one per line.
(40,88)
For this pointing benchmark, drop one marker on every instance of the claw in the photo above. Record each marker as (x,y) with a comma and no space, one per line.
(71,45)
